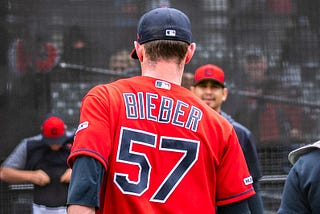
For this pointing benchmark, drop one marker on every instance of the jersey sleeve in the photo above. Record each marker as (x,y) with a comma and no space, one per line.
(86,180)
(92,137)
(17,159)
(234,182)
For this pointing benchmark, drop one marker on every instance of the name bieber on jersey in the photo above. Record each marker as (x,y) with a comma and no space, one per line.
(162,110)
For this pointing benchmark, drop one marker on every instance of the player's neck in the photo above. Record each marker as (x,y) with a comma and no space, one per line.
(167,71)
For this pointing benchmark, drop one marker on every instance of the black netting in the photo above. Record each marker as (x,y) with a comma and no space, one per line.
(53,52)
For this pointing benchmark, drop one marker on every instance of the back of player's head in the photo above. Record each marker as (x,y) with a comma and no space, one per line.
(163,24)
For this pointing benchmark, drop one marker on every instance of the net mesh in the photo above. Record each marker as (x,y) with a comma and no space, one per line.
(53,52)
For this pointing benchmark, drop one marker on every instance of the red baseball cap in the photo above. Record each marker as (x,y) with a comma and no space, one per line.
(209,72)
(54,130)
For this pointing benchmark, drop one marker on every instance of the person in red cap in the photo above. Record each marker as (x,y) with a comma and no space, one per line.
(145,144)
(42,161)
(210,87)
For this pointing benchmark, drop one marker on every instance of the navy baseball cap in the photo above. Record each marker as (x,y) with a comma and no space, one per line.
(163,24)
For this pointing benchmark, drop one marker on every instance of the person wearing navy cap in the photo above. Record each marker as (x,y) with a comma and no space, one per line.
(41,160)
(210,87)
(145,144)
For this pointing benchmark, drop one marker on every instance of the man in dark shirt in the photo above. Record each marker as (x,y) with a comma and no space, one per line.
(301,191)
(209,86)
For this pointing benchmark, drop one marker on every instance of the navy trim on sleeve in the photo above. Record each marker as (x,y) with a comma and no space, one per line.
(240,207)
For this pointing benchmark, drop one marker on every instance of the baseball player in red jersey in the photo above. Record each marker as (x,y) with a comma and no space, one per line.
(147,145)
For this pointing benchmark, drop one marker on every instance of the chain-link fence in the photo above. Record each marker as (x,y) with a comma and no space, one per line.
(53,52)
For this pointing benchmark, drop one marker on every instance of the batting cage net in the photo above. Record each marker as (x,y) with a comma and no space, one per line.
(53,52)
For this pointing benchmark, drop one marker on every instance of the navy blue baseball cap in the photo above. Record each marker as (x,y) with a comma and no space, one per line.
(163,24)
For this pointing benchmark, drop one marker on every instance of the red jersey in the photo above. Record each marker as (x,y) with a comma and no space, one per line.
(164,150)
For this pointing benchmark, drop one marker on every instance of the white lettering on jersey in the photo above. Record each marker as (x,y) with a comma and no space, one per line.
(144,106)
(150,106)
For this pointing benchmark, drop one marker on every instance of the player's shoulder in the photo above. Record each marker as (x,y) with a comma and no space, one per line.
(295,154)
(217,121)
(241,128)
(223,117)
(237,126)
(32,139)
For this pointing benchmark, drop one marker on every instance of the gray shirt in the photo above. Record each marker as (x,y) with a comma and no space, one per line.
(17,159)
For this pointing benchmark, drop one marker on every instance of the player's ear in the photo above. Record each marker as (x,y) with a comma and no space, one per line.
(139,50)
(225,94)
(190,52)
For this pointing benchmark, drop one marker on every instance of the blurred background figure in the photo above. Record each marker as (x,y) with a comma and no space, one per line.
(41,160)
(187,79)
(122,63)
(31,58)
(32,55)
(76,47)
(262,107)
(209,85)
(271,121)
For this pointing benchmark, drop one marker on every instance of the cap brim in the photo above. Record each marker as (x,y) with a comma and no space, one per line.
(133,54)
(213,80)
(295,154)
(57,140)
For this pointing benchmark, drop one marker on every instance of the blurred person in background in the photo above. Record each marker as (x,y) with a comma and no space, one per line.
(76,47)
(301,193)
(209,85)
(122,63)
(187,80)
(28,54)
(31,58)
(258,100)
(272,121)
(42,161)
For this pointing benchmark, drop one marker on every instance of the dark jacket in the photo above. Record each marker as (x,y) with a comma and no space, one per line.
(301,192)
(248,147)
(54,163)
